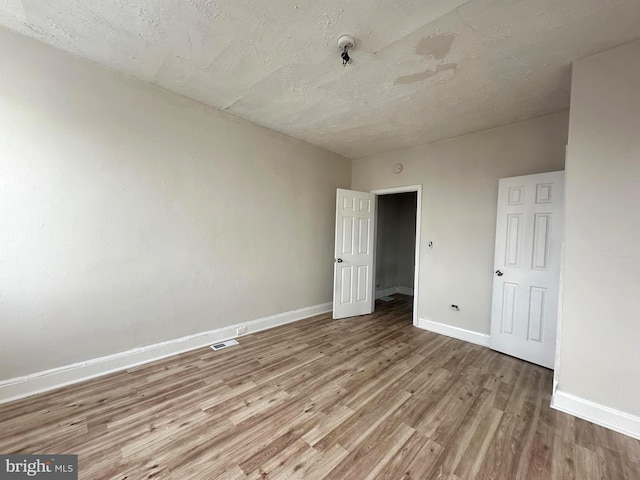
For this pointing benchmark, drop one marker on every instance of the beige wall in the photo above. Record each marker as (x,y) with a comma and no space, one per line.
(600,339)
(386,262)
(395,240)
(132,216)
(460,188)
(406,245)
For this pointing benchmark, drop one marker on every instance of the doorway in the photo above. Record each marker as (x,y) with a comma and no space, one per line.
(397,241)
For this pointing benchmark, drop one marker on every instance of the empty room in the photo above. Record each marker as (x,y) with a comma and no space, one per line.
(320,240)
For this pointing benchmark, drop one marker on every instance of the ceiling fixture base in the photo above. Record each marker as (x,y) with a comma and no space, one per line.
(346,41)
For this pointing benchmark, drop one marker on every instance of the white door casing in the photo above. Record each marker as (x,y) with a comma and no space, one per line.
(529,236)
(416,276)
(354,254)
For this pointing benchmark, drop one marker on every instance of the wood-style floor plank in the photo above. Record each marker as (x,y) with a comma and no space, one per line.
(369,397)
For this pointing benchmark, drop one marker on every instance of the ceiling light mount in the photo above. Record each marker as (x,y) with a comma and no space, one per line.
(346,42)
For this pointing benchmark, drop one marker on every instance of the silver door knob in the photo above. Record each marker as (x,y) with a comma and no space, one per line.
(338,260)
(499,273)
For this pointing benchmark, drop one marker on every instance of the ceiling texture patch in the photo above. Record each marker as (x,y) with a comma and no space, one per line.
(422,71)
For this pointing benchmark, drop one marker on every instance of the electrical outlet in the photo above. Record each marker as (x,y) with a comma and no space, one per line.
(241,330)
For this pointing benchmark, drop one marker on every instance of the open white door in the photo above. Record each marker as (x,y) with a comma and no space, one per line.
(353,267)
(529,236)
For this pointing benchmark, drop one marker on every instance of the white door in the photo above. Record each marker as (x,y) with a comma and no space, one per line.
(353,262)
(529,236)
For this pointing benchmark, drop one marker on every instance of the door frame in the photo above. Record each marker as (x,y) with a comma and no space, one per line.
(416,277)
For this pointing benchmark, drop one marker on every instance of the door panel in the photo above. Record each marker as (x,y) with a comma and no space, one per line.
(509,302)
(529,235)
(353,263)
(536,313)
(541,228)
(514,239)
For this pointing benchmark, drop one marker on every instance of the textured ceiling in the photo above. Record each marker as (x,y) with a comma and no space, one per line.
(423,70)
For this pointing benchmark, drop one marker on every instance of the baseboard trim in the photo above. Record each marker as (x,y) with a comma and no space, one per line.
(385,292)
(21,387)
(405,291)
(454,332)
(607,417)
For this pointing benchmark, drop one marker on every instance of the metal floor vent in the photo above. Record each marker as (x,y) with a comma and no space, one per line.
(221,345)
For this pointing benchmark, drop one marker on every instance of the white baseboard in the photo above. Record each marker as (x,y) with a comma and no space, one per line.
(385,292)
(455,332)
(607,417)
(405,291)
(20,387)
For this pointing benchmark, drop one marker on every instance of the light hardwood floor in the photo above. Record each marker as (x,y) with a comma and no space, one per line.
(363,398)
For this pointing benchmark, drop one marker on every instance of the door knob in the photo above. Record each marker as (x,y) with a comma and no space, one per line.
(499,273)
(338,260)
